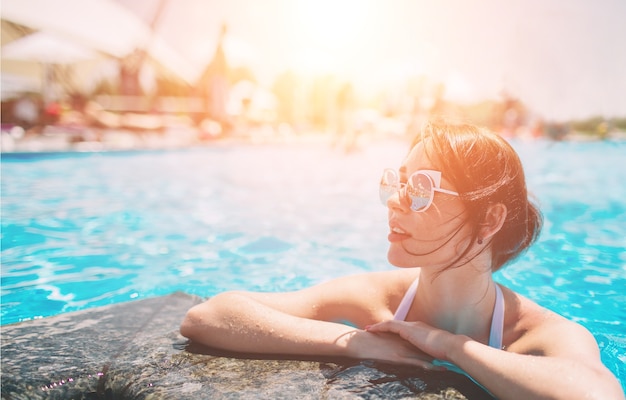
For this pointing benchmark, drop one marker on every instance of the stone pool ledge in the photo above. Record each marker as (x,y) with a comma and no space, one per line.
(134,351)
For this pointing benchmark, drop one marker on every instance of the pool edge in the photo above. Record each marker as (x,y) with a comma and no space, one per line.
(134,350)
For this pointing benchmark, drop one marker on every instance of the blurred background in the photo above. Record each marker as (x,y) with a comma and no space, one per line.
(94,74)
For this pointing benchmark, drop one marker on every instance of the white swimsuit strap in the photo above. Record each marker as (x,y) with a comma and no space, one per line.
(407,301)
(497,321)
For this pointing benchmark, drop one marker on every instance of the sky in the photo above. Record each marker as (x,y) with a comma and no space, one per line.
(565,59)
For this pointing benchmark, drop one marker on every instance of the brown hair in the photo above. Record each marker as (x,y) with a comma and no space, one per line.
(485,169)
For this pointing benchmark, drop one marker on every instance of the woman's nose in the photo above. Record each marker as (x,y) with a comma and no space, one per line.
(395,202)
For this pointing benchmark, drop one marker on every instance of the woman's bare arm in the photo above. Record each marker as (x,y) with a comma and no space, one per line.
(239,322)
(566,364)
(306,322)
(577,374)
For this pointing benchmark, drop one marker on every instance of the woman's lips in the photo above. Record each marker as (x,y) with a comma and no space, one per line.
(397,234)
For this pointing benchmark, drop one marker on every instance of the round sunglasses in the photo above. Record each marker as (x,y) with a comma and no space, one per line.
(419,190)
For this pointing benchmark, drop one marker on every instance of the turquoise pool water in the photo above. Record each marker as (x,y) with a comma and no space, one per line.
(87,229)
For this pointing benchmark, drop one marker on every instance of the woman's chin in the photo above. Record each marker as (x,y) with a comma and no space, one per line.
(399,260)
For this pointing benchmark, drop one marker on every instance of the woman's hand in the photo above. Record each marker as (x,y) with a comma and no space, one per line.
(387,347)
(431,341)
(511,375)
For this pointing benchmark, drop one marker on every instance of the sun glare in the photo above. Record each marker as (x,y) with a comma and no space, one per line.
(330,30)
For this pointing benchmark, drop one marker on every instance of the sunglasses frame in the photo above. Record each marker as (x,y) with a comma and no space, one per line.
(435,182)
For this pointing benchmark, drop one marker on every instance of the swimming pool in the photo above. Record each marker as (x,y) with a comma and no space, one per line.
(86,229)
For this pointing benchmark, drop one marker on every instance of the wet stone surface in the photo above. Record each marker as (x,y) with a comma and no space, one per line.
(134,351)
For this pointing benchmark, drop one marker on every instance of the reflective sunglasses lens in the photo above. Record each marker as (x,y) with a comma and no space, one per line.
(388,185)
(419,191)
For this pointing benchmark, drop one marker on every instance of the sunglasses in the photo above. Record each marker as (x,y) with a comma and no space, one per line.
(419,190)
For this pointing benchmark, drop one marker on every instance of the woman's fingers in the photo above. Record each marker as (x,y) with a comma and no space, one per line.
(420,361)
(431,341)
(409,331)
(392,326)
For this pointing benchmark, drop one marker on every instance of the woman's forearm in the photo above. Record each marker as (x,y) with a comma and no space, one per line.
(236,322)
(513,376)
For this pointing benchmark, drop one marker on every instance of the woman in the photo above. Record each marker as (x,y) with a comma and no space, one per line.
(458,211)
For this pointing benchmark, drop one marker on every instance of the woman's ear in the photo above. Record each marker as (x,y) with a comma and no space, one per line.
(493,221)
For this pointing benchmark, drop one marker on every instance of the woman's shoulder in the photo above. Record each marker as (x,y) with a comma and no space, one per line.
(530,328)
(379,288)
(400,274)
(523,311)
(397,278)
(362,299)
(395,282)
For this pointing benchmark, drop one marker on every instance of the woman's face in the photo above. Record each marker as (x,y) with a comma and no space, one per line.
(433,237)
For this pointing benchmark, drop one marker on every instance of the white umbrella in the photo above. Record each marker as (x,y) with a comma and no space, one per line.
(98,24)
(46,48)
(103,25)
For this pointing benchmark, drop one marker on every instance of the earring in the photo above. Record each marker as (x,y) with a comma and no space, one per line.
(479,241)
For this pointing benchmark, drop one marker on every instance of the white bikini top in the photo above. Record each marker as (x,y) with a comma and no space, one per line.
(497,321)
